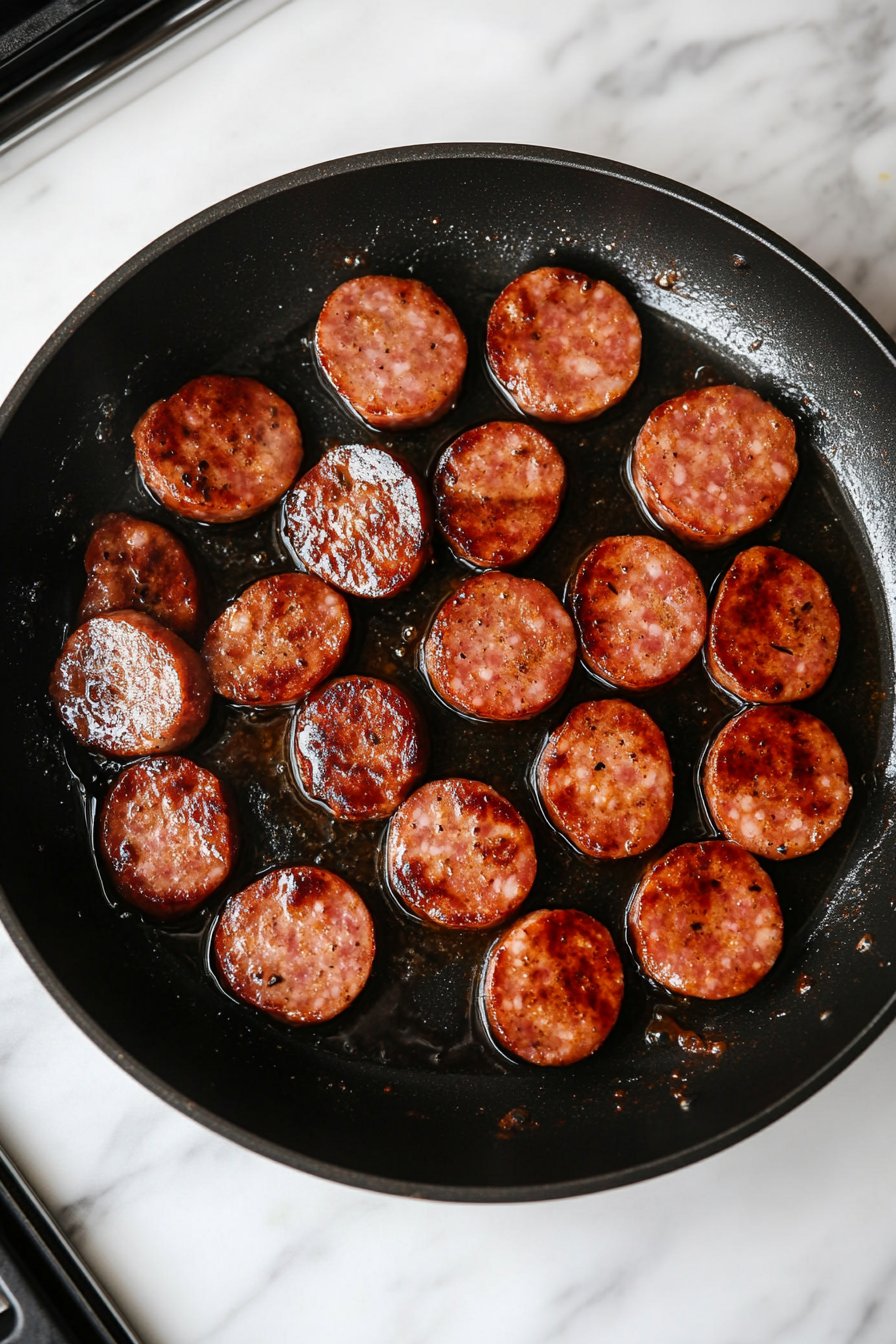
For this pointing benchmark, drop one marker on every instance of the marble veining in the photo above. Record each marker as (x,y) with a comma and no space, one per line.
(786,112)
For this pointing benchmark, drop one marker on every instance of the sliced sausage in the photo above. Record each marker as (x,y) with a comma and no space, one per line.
(605,779)
(137,565)
(706,921)
(500,648)
(220,449)
(168,835)
(714,464)
(774,631)
(564,346)
(360,520)
(126,686)
(278,640)
(777,782)
(553,987)
(360,746)
(498,490)
(298,944)
(640,611)
(460,855)
(392,349)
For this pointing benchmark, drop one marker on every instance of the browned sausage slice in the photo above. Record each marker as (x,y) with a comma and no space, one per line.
(565,347)
(605,779)
(777,782)
(281,637)
(553,987)
(498,490)
(706,921)
(714,464)
(220,449)
(460,855)
(168,835)
(135,564)
(392,349)
(126,686)
(298,944)
(640,611)
(774,631)
(500,648)
(360,520)
(360,746)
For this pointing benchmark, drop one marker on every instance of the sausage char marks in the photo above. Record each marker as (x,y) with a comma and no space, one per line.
(220,449)
(360,519)
(460,855)
(500,647)
(298,944)
(564,346)
(392,349)
(498,490)
(168,836)
(777,782)
(774,631)
(640,611)
(359,746)
(126,686)
(137,565)
(553,987)
(706,922)
(278,640)
(605,779)
(714,464)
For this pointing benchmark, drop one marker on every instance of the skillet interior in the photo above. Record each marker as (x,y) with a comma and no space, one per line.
(236,289)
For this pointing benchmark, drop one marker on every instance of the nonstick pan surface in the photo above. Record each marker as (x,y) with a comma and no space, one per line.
(404,1093)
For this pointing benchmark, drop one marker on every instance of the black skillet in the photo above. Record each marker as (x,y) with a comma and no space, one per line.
(404,1093)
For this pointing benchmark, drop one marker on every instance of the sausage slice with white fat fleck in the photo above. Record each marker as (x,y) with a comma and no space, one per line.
(460,855)
(640,611)
(168,836)
(774,632)
(127,686)
(500,647)
(605,779)
(553,987)
(705,921)
(298,944)
(392,349)
(137,565)
(777,782)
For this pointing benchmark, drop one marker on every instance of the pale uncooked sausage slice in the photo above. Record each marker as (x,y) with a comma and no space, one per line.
(136,565)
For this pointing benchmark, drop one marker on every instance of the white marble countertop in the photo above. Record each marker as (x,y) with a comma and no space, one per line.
(785,111)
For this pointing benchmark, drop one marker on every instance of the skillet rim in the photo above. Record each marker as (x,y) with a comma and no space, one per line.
(447,151)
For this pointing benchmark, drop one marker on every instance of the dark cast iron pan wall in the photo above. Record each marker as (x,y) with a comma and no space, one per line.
(237,289)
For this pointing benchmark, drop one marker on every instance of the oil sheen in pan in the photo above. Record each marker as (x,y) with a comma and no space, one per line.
(420,1007)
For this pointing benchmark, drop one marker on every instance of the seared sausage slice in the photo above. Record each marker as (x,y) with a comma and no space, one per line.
(777,782)
(137,565)
(298,944)
(500,648)
(640,611)
(498,490)
(605,779)
(360,746)
(553,987)
(392,349)
(361,520)
(126,686)
(774,631)
(220,449)
(714,464)
(168,835)
(706,921)
(460,855)
(281,637)
(565,347)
